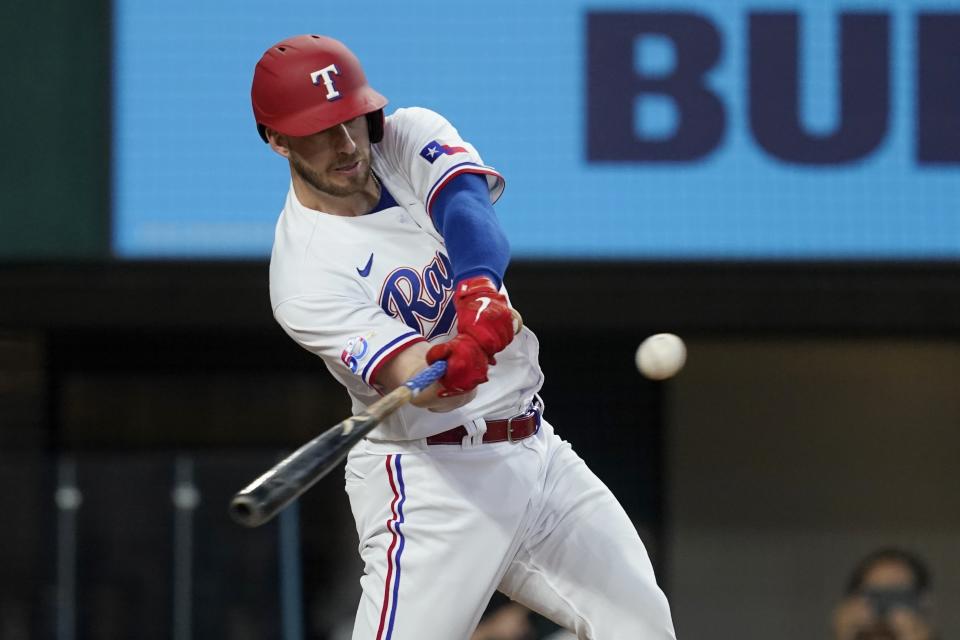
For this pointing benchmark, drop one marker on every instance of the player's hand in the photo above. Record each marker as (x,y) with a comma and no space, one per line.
(466,364)
(484,315)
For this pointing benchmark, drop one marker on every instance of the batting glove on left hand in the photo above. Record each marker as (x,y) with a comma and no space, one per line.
(484,315)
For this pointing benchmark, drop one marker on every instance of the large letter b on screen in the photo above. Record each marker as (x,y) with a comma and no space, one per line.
(619,80)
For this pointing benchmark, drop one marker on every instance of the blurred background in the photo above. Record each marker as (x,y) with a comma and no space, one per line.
(777,182)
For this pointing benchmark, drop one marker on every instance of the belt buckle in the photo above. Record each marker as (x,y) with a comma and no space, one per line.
(510,429)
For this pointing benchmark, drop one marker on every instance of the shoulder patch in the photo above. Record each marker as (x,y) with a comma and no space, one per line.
(435,148)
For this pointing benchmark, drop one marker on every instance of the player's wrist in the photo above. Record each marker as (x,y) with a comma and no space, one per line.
(484,314)
(476,285)
(479,275)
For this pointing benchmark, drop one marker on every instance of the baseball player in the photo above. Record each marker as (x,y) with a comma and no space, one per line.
(388,256)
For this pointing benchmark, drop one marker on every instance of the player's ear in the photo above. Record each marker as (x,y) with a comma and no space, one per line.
(278,142)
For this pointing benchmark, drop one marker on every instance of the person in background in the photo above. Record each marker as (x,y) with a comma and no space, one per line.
(508,622)
(887,597)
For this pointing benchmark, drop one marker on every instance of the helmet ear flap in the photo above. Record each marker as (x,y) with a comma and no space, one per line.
(375,121)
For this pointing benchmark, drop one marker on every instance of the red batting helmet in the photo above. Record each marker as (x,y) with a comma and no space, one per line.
(306,84)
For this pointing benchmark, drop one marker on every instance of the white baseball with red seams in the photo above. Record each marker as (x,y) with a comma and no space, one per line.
(661,356)
(441,527)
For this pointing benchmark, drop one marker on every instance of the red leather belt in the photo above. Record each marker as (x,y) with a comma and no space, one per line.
(509,430)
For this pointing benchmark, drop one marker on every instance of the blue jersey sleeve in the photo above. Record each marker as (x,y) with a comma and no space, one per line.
(464,216)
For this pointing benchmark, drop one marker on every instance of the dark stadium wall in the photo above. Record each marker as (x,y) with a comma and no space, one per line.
(56,138)
(788,460)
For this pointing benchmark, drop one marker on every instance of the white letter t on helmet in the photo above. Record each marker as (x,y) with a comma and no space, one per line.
(326,73)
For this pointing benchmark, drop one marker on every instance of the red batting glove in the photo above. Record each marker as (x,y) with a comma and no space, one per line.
(466,365)
(483,314)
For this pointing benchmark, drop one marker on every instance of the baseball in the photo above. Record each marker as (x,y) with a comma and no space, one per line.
(661,356)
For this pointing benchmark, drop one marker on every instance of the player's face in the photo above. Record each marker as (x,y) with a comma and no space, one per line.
(335,161)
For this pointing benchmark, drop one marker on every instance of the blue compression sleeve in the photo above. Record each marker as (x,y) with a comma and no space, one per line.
(465,218)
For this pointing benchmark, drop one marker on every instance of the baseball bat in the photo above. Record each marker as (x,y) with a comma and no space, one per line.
(266,496)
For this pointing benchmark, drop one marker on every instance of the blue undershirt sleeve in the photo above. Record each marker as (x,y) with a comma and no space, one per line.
(464,216)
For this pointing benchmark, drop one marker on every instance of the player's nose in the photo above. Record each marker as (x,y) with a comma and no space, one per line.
(345,142)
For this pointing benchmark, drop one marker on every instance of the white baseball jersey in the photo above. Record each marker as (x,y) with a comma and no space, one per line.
(357,290)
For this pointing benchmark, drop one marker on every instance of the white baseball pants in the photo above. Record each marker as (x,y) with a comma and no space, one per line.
(441,527)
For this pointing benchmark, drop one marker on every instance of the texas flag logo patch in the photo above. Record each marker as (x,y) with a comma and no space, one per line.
(435,149)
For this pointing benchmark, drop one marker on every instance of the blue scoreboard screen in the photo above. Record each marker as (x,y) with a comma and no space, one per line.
(715,129)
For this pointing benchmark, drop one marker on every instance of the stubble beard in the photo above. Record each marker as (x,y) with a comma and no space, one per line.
(320,182)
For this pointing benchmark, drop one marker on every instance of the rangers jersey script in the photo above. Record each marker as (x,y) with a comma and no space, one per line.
(357,290)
